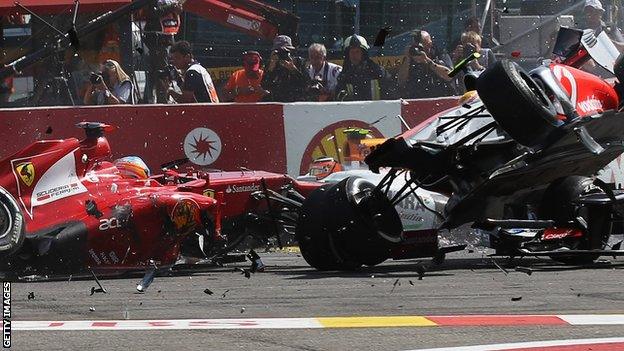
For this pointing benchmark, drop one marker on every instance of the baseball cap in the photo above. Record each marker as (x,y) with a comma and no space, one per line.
(283,42)
(595,4)
(251,60)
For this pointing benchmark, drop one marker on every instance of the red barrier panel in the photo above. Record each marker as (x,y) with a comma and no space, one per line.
(224,136)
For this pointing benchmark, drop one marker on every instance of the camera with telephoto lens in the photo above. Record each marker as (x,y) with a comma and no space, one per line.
(417,50)
(168,72)
(96,78)
(283,54)
(469,49)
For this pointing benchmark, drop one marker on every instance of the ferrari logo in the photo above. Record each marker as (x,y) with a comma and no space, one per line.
(209,193)
(26,171)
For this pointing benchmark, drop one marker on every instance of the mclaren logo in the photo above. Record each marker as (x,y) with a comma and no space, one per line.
(26,172)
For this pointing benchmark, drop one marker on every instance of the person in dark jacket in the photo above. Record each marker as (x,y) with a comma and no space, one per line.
(285,78)
(360,77)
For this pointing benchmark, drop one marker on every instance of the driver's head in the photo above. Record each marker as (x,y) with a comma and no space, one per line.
(593,13)
(132,167)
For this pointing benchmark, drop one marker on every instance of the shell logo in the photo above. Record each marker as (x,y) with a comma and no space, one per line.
(331,141)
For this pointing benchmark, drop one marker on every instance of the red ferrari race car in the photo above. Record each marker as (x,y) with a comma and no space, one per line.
(517,158)
(65,208)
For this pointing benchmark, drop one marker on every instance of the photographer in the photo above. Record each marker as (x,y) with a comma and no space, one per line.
(195,81)
(324,74)
(285,79)
(109,87)
(360,77)
(470,43)
(424,72)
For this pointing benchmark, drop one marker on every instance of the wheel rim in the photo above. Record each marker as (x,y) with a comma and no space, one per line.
(6,221)
(536,89)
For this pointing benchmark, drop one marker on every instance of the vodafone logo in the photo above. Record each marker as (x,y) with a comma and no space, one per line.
(202,146)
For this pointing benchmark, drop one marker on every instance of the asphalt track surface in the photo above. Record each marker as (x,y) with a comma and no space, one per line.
(466,284)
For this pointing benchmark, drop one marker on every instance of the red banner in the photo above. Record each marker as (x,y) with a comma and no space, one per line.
(224,136)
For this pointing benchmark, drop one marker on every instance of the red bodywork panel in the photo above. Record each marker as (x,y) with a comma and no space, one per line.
(589,93)
(235,189)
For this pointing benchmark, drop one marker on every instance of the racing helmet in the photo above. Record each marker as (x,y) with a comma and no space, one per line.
(357,41)
(132,167)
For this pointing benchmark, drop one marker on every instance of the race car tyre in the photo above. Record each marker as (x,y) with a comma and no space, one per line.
(312,236)
(557,204)
(517,103)
(350,221)
(12,228)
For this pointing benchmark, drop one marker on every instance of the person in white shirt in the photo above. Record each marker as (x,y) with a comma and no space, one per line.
(324,74)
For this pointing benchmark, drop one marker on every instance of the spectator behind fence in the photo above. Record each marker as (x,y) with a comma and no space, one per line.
(195,81)
(360,77)
(324,74)
(110,86)
(285,77)
(245,85)
(424,72)
(471,42)
(593,20)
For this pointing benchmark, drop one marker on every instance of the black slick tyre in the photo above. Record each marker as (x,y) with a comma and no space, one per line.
(517,103)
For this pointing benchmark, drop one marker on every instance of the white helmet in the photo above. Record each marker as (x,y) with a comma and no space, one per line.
(357,41)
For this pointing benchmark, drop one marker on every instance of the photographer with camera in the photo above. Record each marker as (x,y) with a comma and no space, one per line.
(244,84)
(195,81)
(284,78)
(110,86)
(423,72)
(324,74)
(471,43)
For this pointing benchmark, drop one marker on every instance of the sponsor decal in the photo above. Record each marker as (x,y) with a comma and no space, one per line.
(95,257)
(185,216)
(109,223)
(58,182)
(26,172)
(331,141)
(202,146)
(209,193)
(234,189)
(590,105)
(414,215)
(53,194)
(561,233)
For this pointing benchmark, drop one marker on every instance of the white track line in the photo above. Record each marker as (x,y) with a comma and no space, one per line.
(533,344)
(171,324)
